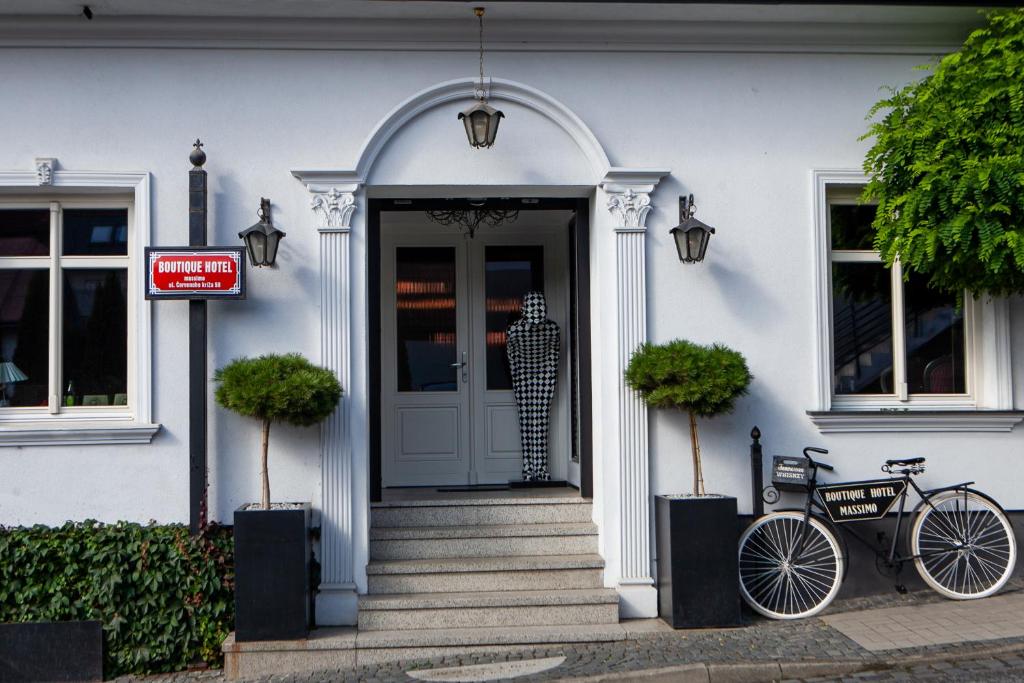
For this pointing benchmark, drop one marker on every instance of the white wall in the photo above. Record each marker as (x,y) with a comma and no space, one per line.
(740,131)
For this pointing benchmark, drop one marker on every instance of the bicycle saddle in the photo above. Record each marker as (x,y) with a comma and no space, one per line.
(905,461)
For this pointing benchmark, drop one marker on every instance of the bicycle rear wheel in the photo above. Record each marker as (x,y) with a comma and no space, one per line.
(777,583)
(963,544)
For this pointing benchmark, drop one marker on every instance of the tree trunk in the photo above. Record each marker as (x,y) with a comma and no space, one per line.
(264,474)
(698,474)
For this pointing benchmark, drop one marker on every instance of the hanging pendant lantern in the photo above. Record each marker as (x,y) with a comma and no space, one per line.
(481,120)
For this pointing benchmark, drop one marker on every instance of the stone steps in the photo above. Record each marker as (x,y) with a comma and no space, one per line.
(479,512)
(455,575)
(488,609)
(412,543)
(468,567)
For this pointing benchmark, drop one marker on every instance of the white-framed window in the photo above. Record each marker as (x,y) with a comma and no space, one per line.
(893,353)
(74,326)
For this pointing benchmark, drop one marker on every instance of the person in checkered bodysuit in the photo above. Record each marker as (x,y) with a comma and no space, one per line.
(533,347)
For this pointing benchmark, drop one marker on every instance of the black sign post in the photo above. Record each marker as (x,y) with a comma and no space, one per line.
(197,479)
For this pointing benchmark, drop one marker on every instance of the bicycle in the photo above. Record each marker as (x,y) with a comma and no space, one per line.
(792,562)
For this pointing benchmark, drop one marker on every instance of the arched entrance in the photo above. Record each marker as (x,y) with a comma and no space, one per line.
(544,150)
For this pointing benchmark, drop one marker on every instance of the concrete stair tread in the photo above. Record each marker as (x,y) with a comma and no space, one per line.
(485,564)
(483,500)
(492,635)
(403,601)
(483,531)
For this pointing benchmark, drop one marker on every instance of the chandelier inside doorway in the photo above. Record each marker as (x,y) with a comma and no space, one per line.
(468,220)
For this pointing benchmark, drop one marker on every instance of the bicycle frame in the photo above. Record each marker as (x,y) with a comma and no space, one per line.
(892,557)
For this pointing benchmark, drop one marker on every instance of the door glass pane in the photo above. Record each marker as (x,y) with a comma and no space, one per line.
(425,316)
(95,232)
(509,273)
(24,336)
(24,232)
(95,354)
(862,328)
(935,340)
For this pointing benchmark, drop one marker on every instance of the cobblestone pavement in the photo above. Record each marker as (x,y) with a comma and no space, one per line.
(759,640)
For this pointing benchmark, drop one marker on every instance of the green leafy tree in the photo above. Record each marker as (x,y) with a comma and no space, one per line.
(947,166)
(702,380)
(277,388)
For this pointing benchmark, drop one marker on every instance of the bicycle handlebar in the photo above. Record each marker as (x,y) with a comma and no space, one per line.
(821,465)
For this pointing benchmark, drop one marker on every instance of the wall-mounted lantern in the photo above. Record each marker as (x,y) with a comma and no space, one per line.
(262,239)
(481,120)
(691,235)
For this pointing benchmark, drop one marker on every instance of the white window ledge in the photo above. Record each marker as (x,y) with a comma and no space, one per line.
(73,433)
(915,420)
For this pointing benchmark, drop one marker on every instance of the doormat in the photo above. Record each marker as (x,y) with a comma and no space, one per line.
(498,671)
(470,488)
(538,484)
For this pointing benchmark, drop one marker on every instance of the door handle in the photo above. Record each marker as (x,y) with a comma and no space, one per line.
(462,365)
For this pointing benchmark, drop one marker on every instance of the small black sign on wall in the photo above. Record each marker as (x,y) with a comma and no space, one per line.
(854,501)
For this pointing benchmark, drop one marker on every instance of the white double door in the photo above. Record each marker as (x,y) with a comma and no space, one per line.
(448,416)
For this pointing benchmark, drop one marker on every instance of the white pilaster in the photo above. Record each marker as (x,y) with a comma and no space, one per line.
(336,601)
(629,201)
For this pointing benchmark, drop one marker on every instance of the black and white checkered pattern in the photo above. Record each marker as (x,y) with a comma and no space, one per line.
(533,348)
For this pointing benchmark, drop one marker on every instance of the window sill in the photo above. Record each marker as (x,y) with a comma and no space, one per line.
(75,432)
(837,421)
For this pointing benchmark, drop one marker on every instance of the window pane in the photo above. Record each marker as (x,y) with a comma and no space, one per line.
(24,232)
(24,336)
(510,272)
(425,316)
(95,337)
(935,340)
(851,226)
(862,328)
(95,232)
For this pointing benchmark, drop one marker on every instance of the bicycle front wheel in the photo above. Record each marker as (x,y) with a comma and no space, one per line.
(779,578)
(963,544)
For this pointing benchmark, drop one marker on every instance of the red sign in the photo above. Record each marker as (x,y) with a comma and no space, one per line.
(195,273)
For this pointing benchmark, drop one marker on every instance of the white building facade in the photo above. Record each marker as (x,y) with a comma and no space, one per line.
(344,115)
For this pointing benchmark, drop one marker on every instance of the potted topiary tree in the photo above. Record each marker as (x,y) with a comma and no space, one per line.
(696,534)
(272,553)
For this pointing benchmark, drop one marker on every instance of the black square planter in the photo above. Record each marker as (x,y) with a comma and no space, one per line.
(698,569)
(272,597)
(51,651)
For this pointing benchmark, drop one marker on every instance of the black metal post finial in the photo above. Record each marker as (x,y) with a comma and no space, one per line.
(198,156)
(755,433)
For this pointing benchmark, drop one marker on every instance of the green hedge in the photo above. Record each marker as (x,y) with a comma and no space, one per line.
(166,599)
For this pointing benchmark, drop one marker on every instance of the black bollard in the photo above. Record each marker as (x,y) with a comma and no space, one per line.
(756,473)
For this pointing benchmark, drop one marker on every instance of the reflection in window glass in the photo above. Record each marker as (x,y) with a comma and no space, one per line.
(425,316)
(95,353)
(862,328)
(24,336)
(24,232)
(851,226)
(95,232)
(934,331)
(510,272)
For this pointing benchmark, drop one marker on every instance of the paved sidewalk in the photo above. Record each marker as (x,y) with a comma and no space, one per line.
(934,624)
(828,647)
